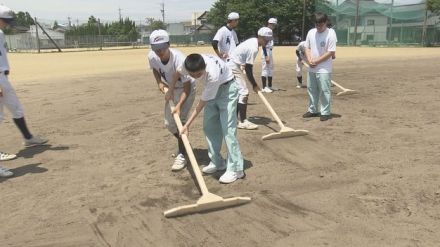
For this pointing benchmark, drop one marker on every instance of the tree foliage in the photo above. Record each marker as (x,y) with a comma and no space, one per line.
(255,13)
(24,19)
(154,24)
(124,29)
(434,6)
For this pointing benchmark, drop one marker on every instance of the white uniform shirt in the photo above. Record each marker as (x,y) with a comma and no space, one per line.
(216,73)
(167,70)
(301,49)
(320,43)
(227,40)
(4,64)
(269,45)
(246,52)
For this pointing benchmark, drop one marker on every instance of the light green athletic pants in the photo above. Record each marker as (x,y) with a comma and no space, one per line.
(319,89)
(220,122)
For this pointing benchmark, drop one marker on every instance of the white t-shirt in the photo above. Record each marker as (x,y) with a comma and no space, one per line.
(167,70)
(320,43)
(216,73)
(227,40)
(246,52)
(4,64)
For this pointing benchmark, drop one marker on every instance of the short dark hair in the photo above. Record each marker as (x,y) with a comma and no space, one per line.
(194,63)
(320,17)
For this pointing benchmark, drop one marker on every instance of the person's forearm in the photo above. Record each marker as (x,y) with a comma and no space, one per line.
(185,93)
(196,112)
(157,76)
(325,57)
(215,47)
(250,74)
(308,54)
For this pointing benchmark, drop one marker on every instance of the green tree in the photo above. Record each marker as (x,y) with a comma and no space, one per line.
(255,13)
(434,6)
(124,29)
(154,24)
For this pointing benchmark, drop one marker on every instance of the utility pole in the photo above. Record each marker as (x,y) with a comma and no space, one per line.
(120,15)
(424,25)
(304,20)
(36,35)
(356,22)
(391,22)
(162,10)
(99,34)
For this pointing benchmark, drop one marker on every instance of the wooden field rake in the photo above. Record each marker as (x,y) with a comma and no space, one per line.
(345,91)
(208,201)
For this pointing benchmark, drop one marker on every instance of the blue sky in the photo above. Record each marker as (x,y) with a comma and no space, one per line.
(106,10)
(175,10)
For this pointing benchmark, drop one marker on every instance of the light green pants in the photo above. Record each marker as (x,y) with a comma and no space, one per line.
(318,87)
(220,122)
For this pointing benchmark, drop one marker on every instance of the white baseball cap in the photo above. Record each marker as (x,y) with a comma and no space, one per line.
(159,39)
(272,21)
(233,16)
(266,33)
(7,14)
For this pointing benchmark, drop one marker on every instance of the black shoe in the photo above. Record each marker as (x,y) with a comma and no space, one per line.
(309,114)
(325,117)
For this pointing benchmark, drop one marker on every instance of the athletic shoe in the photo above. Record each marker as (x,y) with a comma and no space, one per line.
(274,89)
(179,163)
(212,168)
(300,85)
(229,177)
(6,156)
(5,173)
(309,114)
(325,117)
(267,90)
(34,141)
(246,124)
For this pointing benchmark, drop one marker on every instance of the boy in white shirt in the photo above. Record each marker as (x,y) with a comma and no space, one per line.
(244,56)
(225,40)
(320,48)
(267,60)
(164,62)
(300,58)
(219,101)
(8,97)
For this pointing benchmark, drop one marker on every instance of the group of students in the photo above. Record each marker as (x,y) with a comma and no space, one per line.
(225,94)
(8,97)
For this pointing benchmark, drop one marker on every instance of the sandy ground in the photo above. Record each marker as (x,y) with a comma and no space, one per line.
(367,178)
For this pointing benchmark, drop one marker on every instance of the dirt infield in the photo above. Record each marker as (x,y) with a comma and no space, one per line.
(367,178)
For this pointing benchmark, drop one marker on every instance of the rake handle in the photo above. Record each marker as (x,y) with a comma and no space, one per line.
(336,84)
(269,107)
(189,152)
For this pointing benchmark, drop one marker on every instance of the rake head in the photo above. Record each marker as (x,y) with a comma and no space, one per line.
(347,92)
(284,133)
(208,202)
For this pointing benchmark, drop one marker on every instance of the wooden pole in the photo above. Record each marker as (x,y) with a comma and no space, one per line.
(50,38)
(424,25)
(36,35)
(303,21)
(356,22)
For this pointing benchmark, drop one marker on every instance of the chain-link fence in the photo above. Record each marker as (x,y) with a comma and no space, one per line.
(28,42)
(367,22)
